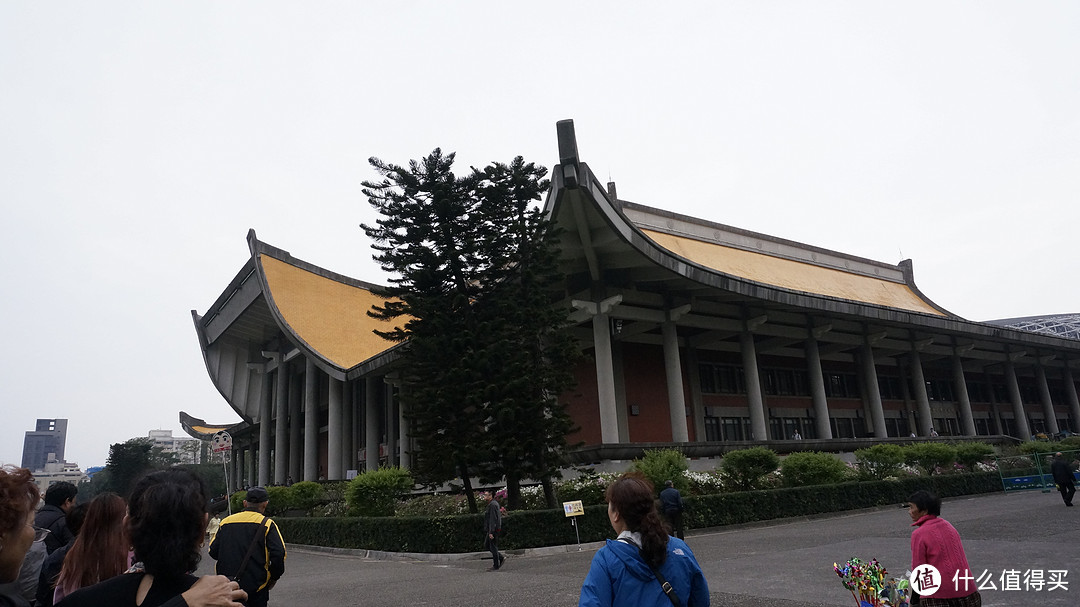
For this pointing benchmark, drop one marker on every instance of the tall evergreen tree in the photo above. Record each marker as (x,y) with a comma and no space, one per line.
(473,266)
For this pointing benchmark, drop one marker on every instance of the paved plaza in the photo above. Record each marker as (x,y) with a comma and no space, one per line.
(782,564)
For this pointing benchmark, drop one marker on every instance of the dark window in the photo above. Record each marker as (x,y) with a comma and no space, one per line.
(841,385)
(721,379)
(736,428)
(889,388)
(712,429)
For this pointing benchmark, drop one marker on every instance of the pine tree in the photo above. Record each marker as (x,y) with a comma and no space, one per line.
(474,270)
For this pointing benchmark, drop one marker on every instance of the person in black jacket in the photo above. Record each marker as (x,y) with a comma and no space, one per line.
(59,500)
(249,548)
(492,527)
(672,507)
(1063,477)
(50,569)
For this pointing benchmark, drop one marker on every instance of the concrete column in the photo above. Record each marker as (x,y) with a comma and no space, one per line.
(998,429)
(605,379)
(1070,394)
(239,469)
(371,422)
(918,385)
(697,405)
(249,474)
(405,457)
(1047,401)
(281,425)
(755,398)
(873,391)
(311,422)
(622,413)
(1019,416)
(334,432)
(673,370)
(265,401)
(296,461)
(348,450)
(391,426)
(817,388)
(963,402)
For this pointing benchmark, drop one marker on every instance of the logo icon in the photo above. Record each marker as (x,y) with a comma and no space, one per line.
(925,579)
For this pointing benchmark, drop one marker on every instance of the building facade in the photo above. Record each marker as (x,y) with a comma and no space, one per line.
(696,333)
(46,442)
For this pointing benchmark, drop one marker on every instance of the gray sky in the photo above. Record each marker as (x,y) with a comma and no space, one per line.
(139,141)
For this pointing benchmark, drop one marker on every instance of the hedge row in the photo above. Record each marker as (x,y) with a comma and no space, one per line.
(535,528)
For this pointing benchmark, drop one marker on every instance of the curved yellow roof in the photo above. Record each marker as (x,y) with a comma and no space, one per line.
(794,275)
(330,316)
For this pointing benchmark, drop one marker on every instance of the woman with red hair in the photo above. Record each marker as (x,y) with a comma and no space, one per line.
(100,551)
(19,497)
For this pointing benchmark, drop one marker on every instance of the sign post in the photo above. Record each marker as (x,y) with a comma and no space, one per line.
(221,443)
(572,510)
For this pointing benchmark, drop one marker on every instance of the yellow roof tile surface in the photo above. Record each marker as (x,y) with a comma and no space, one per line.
(794,275)
(328,315)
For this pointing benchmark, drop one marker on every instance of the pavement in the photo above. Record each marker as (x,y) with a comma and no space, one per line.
(785,563)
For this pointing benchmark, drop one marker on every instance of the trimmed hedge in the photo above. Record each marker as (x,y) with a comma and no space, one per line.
(535,528)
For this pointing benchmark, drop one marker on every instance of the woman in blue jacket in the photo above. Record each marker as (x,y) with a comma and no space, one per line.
(623,572)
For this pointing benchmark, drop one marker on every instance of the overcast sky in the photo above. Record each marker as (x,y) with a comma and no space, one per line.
(139,141)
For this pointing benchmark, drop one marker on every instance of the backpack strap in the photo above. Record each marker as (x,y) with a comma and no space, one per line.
(669,592)
(250,551)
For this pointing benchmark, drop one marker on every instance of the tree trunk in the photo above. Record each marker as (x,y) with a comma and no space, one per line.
(513,491)
(466,484)
(549,492)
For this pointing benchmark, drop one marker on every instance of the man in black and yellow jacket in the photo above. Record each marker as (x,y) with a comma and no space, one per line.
(246,533)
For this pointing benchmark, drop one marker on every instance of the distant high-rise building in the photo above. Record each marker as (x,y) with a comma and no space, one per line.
(186,449)
(47,439)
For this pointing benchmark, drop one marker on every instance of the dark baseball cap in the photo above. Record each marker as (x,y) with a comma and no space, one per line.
(256,495)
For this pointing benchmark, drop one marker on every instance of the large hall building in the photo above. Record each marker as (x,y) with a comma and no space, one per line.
(696,333)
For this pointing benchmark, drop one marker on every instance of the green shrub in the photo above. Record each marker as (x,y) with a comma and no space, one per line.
(969,454)
(280,501)
(236,501)
(930,457)
(439,504)
(1069,443)
(660,465)
(705,483)
(375,492)
(813,468)
(744,468)
(529,529)
(880,461)
(589,488)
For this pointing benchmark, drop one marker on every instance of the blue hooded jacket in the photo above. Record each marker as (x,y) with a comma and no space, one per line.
(619,578)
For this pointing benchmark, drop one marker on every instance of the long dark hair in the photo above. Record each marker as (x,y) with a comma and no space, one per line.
(167,521)
(100,550)
(632,497)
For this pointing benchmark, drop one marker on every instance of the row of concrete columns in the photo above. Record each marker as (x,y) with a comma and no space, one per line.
(608,409)
(295,444)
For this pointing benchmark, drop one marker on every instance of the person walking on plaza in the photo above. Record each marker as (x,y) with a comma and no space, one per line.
(672,506)
(248,547)
(59,500)
(492,527)
(1063,477)
(644,566)
(936,542)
